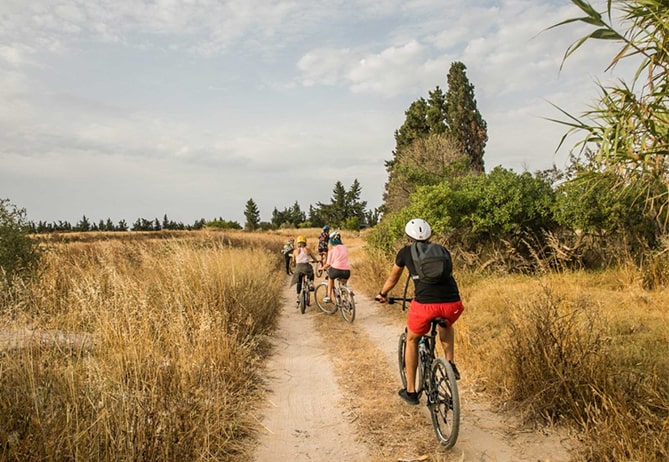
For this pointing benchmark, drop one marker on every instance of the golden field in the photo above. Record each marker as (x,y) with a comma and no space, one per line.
(158,344)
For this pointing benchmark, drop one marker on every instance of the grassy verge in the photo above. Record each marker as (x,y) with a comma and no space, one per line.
(177,332)
(590,350)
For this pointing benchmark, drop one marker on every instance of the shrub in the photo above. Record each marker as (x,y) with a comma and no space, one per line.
(19,254)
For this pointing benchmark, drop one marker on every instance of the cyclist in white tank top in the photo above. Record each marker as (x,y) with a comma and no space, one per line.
(303,255)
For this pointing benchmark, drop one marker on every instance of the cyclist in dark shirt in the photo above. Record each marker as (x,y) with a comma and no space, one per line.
(430,301)
(323,240)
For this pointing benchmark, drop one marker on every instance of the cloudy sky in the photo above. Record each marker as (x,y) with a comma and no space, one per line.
(139,108)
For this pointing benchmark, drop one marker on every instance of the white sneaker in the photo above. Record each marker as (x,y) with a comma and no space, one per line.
(326,299)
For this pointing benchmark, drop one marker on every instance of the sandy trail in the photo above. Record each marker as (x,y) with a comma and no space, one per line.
(304,419)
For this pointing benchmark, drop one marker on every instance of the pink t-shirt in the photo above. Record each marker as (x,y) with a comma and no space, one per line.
(338,257)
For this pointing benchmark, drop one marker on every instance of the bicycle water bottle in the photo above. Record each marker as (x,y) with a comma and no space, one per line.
(422,345)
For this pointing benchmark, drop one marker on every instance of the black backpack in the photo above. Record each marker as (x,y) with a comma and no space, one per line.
(432,262)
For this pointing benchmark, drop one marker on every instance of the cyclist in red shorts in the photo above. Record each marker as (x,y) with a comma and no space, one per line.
(430,301)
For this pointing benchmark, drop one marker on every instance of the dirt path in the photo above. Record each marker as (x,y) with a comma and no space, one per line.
(303,421)
(307,417)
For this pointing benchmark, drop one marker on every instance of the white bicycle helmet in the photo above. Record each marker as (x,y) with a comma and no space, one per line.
(418,229)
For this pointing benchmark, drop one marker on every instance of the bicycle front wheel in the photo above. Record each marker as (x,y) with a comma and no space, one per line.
(347,306)
(401,348)
(444,403)
(320,292)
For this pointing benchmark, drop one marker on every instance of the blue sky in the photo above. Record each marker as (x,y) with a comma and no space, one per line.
(137,108)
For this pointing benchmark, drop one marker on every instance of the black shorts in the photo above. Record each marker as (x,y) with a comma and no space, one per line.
(334,273)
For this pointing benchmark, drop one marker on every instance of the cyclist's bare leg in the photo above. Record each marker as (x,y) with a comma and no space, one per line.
(331,288)
(447,338)
(411,360)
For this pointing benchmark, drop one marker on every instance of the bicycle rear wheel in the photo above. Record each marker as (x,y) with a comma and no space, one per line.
(304,297)
(347,306)
(444,403)
(320,292)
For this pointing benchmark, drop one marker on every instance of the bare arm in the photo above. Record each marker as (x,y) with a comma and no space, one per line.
(391,282)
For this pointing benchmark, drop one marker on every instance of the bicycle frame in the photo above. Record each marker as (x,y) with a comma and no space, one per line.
(304,296)
(435,377)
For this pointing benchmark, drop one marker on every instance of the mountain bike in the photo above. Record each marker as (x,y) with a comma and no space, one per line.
(436,378)
(304,297)
(344,299)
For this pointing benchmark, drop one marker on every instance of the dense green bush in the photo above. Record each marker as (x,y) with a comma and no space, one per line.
(19,254)
(479,208)
(596,203)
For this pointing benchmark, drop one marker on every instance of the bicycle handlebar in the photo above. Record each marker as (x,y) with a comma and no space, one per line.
(392,300)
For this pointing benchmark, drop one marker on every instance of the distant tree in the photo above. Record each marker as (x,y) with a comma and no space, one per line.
(465,125)
(220,223)
(122,226)
(142,224)
(315,218)
(289,217)
(199,224)
(442,136)
(252,215)
(83,225)
(345,208)
(427,161)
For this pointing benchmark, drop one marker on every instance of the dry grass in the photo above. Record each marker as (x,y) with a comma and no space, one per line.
(178,327)
(178,321)
(589,350)
(386,424)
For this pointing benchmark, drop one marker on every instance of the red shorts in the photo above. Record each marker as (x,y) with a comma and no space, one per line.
(420,314)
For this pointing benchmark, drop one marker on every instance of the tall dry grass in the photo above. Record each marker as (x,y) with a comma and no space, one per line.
(588,350)
(176,332)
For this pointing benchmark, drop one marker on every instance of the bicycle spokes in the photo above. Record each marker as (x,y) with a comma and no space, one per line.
(444,403)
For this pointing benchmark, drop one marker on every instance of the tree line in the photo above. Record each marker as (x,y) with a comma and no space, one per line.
(85,224)
(345,210)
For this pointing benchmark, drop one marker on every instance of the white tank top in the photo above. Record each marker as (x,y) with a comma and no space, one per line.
(302,256)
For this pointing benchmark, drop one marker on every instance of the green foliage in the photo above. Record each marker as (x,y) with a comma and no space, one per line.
(345,208)
(463,119)
(19,254)
(223,224)
(289,217)
(441,137)
(388,235)
(252,215)
(475,210)
(487,207)
(628,127)
(594,203)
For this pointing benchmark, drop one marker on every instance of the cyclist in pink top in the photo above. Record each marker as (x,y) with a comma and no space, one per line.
(337,266)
